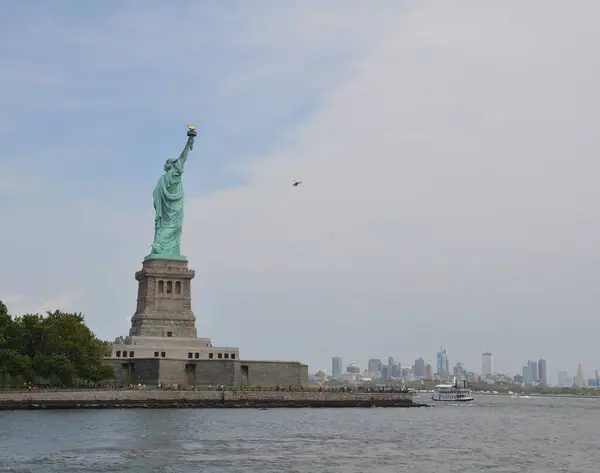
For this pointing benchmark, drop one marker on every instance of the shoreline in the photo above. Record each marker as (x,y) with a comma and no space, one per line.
(134,399)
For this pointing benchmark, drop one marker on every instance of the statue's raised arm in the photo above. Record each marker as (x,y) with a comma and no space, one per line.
(168,205)
(188,146)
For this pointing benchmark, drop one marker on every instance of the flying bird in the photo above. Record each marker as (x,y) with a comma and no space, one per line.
(297,183)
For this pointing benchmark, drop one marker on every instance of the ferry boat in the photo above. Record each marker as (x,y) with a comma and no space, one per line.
(452,392)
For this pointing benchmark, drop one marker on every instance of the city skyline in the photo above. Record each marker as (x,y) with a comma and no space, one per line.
(534,371)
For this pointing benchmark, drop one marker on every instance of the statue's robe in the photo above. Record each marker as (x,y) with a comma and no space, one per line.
(168,206)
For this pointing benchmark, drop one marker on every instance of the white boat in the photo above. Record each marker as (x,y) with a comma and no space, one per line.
(519,396)
(452,392)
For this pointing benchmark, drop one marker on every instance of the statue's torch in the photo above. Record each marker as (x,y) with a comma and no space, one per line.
(191,134)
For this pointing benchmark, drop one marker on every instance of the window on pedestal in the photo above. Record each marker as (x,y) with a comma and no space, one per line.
(233,356)
(130,354)
(163,354)
(220,355)
(226,355)
(196,355)
(169,334)
(211,355)
(169,287)
(161,287)
(124,354)
(118,354)
(178,287)
(190,355)
(156,354)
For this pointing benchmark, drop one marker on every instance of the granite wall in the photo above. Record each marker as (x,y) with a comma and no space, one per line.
(153,371)
(216,372)
(273,373)
(74,399)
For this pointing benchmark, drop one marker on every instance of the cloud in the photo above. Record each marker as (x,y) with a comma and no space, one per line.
(448,159)
(12,298)
(63,302)
(18,304)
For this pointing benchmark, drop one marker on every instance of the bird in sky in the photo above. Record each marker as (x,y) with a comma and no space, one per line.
(297,183)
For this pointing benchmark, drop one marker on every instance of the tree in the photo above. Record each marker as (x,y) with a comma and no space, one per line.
(3,309)
(56,368)
(59,348)
(14,366)
(5,323)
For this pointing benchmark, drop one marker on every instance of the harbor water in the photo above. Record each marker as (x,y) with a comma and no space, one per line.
(493,434)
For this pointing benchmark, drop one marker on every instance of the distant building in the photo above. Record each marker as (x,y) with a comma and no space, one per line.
(391,361)
(428,371)
(580,381)
(386,373)
(419,368)
(397,370)
(487,364)
(518,378)
(443,365)
(533,371)
(459,371)
(353,368)
(350,377)
(374,366)
(320,376)
(407,373)
(337,368)
(563,378)
(570,381)
(542,374)
(526,374)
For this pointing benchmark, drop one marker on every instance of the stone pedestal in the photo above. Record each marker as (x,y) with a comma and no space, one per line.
(163,346)
(164,302)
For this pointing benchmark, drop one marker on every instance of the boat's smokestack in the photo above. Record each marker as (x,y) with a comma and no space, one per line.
(465,383)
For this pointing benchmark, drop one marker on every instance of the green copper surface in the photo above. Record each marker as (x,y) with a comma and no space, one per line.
(168,206)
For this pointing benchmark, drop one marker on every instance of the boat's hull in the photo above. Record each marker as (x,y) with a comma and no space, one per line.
(467,399)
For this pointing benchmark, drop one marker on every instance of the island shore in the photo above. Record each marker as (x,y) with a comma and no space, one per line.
(153,399)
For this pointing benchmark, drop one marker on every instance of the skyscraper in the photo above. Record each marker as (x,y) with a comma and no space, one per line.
(428,371)
(487,364)
(419,368)
(580,380)
(533,371)
(375,365)
(542,375)
(391,361)
(443,365)
(562,378)
(336,368)
(526,374)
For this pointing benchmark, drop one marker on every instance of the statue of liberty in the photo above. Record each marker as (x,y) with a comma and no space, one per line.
(168,206)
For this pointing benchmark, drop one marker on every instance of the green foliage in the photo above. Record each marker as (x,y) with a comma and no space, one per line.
(4,323)
(3,309)
(57,348)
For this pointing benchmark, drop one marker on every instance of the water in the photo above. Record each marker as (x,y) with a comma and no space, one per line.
(494,434)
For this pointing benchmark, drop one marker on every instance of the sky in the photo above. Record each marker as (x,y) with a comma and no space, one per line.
(448,153)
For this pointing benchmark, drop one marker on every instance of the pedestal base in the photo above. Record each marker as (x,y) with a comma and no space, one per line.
(177,348)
